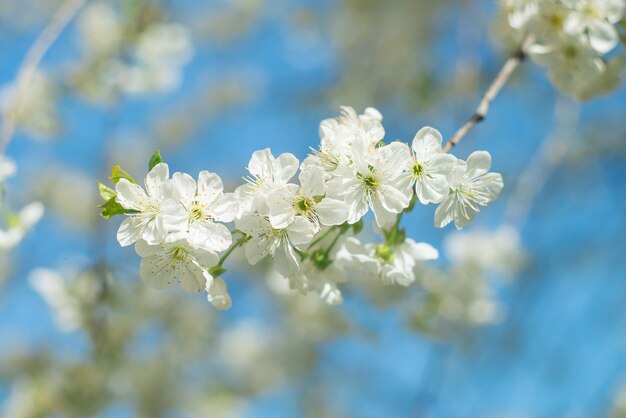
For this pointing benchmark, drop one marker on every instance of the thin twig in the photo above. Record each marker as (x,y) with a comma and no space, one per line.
(483,107)
(550,154)
(33,57)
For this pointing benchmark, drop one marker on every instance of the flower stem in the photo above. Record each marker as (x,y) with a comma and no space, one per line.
(245,238)
(323,235)
(492,91)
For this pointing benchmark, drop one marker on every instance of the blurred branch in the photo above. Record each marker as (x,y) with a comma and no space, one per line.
(496,85)
(33,57)
(547,157)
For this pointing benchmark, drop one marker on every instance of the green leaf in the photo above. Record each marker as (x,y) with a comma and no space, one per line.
(357,227)
(155,159)
(106,193)
(112,208)
(119,173)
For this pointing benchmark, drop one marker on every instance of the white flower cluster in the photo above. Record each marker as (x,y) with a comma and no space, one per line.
(571,39)
(14,225)
(134,60)
(178,226)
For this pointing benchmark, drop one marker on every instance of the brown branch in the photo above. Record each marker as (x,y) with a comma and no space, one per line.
(483,107)
(31,61)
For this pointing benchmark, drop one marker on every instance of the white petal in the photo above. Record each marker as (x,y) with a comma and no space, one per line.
(478,163)
(444,213)
(156,272)
(426,143)
(384,218)
(217,294)
(286,167)
(286,260)
(257,249)
(192,277)
(154,232)
(603,36)
(421,250)
(331,211)
(144,250)
(432,190)
(226,207)
(210,236)
(312,181)
(253,224)
(186,187)
(464,215)
(130,195)
(301,231)
(280,204)
(261,163)
(156,177)
(210,187)
(394,200)
(130,231)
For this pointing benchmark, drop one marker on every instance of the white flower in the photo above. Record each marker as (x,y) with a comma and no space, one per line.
(376,179)
(161,52)
(279,243)
(308,200)
(388,264)
(470,186)
(7,168)
(548,23)
(310,278)
(35,106)
(100,28)
(572,65)
(430,167)
(594,20)
(399,266)
(55,290)
(519,12)
(266,175)
(205,204)
(217,294)
(18,225)
(338,134)
(156,209)
(175,259)
(498,250)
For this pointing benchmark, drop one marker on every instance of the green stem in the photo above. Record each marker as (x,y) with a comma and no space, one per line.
(323,235)
(334,241)
(245,238)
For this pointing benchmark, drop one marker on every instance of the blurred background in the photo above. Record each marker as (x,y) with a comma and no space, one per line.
(523,315)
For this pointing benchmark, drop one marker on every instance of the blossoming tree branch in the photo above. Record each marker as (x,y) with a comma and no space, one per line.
(306,216)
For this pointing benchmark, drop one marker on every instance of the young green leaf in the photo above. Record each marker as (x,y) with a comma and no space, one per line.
(155,159)
(112,208)
(106,193)
(119,173)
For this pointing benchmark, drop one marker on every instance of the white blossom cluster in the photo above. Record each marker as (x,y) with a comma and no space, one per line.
(135,60)
(177,223)
(572,38)
(14,225)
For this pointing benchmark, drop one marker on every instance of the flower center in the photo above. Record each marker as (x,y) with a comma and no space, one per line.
(369,181)
(383,251)
(555,20)
(179,254)
(418,169)
(304,205)
(590,11)
(570,51)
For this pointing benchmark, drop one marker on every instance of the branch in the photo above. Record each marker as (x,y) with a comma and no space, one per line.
(496,85)
(33,57)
